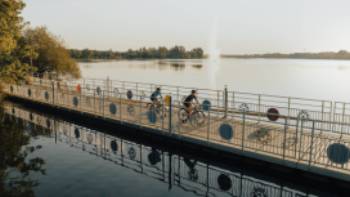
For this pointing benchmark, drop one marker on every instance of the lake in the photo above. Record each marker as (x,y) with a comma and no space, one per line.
(49,156)
(318,79)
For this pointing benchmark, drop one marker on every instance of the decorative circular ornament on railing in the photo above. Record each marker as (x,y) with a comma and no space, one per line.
(112,108)
(77,133)
(48,123)
(154,157)
(29,92)
(244,107)
(224,182)
(129,94)
(132,153)
(206,105)
(11,89)
(114,146)
(152,116)
(259,192)
(47,96)
(338,153)
(90,138)
(131,110)
(226,131)
(273,114)
(303,115)
(75,101)
(98,90)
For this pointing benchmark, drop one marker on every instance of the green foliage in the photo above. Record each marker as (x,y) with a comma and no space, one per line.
(51,55)
(177,52)
(22,53)
(12,51)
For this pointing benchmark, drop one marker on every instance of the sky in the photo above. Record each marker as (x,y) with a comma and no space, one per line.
(230,26)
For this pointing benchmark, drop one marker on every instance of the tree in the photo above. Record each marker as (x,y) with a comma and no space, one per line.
(197,53)
(163,52)
(12,48)
(51,54)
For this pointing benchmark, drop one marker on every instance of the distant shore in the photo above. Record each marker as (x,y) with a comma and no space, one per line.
(340,55)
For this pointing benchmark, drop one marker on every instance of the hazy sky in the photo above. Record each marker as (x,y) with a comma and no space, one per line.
(240,26)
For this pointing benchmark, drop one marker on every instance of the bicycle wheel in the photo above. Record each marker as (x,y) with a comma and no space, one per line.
(198,119)
(182,115)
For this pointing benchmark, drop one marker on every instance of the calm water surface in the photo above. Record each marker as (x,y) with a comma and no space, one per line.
(46,156)
(319,79)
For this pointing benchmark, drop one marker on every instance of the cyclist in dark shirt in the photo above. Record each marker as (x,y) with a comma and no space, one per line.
(190,102)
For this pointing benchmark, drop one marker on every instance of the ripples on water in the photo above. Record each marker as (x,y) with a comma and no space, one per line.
(45,156)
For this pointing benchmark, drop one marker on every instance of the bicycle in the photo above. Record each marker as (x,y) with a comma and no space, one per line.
(158,108)
(197,118)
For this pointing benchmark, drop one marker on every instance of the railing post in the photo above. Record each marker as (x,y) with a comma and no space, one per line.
(53,92)
(226,101)
(343,120)
(322,115)
(178,93)
(285,137)
(233,100)
(140,106)
(94,102)
(312,142)
(103,103)
(243,129)
(208,129)
(120,107)
(289,105)
(218,98)
(259,106)
(170,113)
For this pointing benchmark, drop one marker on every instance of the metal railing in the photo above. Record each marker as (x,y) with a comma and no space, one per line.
(186,173)
(314,133)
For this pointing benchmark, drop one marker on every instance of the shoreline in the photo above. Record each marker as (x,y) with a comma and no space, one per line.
(222,57)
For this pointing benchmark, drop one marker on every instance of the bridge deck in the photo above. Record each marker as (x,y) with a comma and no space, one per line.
(300,145)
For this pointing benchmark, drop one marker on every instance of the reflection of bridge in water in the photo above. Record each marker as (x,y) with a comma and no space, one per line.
(305,134)
(191,175)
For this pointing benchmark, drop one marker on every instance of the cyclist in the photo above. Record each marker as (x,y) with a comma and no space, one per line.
(156,98)
(190,102)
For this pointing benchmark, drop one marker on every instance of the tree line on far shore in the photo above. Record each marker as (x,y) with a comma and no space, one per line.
(176,52)
(341,55)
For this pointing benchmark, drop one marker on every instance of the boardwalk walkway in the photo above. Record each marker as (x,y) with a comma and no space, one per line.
(300,133)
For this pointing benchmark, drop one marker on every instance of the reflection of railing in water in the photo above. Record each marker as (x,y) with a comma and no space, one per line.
(307,133)
(188,174)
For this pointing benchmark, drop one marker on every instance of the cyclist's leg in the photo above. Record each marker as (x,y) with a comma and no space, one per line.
(190,110)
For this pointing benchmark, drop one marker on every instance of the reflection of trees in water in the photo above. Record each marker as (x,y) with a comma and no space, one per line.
(198,66)
(15,164)
(177,66)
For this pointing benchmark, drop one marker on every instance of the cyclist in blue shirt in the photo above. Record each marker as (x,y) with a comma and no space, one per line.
(156,98)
